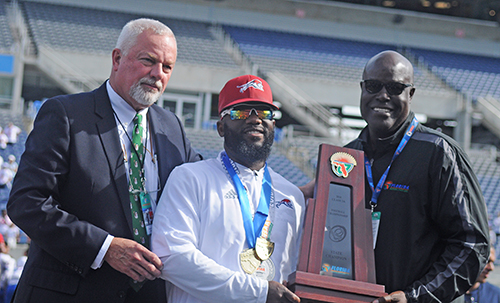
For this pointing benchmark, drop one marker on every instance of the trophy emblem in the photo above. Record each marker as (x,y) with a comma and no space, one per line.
(342,164)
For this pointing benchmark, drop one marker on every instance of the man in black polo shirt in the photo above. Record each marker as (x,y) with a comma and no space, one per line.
(431,238)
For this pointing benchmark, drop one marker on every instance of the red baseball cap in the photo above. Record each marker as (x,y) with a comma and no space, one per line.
(243,89)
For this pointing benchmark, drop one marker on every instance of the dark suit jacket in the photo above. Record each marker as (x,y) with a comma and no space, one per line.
(71,191)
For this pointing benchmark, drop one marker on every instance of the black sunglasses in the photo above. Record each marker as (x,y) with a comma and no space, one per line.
(392,88)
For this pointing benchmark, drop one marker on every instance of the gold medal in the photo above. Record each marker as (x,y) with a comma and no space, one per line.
(263,248)
(249,261)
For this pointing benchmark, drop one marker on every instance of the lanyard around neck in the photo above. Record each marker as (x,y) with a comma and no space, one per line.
(253,227)
(377,190)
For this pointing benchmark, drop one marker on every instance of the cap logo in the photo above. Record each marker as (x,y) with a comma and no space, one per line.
(255,83)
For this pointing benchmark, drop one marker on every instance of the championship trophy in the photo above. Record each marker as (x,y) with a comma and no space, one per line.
(336,261)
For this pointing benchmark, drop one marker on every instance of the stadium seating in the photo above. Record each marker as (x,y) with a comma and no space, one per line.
(320,57)
(6,42)
(476,76)
(488,173)
(87,30)
(311,56)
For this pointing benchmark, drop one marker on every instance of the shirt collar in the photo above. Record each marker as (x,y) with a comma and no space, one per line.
(384,144)
(124,112)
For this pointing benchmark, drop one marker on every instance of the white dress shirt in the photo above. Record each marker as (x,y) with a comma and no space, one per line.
(124,117)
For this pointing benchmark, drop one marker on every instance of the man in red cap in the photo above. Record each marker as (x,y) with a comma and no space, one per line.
(228,229)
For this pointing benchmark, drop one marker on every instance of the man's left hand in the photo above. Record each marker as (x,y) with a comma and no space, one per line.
(308,189)
(397,296)
(280,293)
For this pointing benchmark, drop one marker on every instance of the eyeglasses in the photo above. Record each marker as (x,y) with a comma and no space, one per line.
(392,88)
(240,114)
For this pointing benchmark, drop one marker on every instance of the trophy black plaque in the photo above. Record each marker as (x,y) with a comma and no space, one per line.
(336,262)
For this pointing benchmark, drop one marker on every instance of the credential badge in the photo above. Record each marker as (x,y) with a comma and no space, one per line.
(342,164)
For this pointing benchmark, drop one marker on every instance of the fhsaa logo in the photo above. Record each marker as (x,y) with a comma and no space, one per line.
(342,164)
(255,83)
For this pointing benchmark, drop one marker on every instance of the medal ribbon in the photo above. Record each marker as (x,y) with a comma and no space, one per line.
(252,227)
(377,190)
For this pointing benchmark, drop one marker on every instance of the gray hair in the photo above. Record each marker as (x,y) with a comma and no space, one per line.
(134,28)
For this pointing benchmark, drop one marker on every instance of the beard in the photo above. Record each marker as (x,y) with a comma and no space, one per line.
(252,151)
(144,96)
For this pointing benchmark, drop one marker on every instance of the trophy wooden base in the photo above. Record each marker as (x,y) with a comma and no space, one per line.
(312,287)
(339,194)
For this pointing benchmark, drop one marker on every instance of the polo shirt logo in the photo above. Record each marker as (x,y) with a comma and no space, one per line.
(389,185)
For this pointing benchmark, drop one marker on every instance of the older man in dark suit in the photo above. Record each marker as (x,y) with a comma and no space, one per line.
(89,159)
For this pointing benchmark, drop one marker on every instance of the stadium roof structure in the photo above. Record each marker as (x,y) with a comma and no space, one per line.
(473,9)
